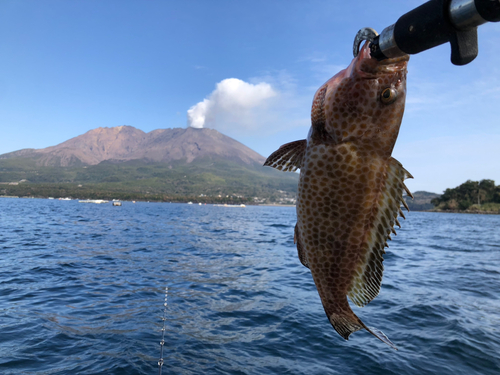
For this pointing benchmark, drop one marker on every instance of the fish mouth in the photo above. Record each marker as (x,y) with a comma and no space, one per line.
(365,53)
(392,65)
(370,67)
(395,60)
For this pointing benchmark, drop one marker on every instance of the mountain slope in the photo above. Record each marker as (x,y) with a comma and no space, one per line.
(166,163)
(421,200)
(123,143)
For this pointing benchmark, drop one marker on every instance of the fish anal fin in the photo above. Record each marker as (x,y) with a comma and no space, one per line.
(300,247)
(288,158)
(367,277)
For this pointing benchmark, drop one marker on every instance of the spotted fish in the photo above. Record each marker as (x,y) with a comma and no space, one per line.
(350,188)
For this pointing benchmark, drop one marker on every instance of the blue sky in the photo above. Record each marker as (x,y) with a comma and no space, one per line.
(71,66)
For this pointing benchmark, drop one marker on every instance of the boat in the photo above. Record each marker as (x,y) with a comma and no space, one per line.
(116,203)
(229,205)
(97,201)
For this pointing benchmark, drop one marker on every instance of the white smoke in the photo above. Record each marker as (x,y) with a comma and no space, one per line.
(232,103)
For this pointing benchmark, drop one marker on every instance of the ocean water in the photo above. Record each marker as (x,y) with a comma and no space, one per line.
(82,292)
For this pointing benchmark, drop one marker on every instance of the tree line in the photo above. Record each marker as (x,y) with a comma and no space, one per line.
(468,194)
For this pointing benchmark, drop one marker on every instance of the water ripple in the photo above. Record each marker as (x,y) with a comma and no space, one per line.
(82,287)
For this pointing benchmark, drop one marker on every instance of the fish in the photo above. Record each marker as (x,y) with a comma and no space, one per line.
(350,189)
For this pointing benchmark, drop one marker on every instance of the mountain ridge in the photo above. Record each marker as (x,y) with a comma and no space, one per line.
(124,143)
(164,164)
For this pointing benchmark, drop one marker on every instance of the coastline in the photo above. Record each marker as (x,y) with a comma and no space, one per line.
(276,205)
(466,212)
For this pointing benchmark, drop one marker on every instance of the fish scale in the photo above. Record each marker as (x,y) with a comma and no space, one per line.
(350,188)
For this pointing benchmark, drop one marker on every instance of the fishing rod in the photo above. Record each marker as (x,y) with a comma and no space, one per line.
(433,23)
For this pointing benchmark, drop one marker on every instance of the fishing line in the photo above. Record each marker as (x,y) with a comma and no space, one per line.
(162,342)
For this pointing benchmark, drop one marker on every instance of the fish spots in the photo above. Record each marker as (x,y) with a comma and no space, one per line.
(349,192)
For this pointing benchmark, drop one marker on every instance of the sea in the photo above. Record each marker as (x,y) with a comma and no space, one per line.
(94,289)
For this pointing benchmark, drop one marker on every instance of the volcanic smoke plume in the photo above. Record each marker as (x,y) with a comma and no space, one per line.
(233,102)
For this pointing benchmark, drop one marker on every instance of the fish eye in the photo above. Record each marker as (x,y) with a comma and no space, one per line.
(388,95)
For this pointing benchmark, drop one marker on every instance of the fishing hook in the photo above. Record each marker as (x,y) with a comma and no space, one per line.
(366,33)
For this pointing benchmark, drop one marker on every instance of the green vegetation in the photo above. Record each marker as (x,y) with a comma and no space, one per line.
(472,196)
(211,180)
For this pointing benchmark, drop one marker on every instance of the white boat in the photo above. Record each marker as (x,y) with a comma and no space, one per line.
(116,203)
(97,201)
(229,205)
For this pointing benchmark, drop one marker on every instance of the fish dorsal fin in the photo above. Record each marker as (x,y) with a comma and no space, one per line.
(300,247)
(318,118)
(288,158)
(365,285)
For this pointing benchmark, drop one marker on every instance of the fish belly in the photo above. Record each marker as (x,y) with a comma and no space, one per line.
(347,203)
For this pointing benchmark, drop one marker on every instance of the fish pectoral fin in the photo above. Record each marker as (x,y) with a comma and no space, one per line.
(300,248)
(288,158)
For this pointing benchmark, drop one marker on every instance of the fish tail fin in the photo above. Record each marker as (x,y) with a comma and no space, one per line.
(345,324)
(381,336)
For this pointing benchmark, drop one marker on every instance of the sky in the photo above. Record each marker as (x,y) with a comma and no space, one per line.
(248,68)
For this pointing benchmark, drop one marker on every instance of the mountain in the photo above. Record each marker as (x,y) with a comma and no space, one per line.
(124,143)
(165,164)
(421,201)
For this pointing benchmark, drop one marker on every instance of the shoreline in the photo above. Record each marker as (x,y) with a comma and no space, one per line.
(276,205)
(465,212)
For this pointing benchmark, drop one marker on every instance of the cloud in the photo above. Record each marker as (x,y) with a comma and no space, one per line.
(255,111)
(232,102)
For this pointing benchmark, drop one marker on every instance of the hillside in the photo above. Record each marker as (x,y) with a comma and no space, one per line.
(421,201)
(123,143)
(165,164)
